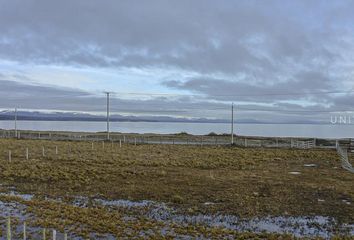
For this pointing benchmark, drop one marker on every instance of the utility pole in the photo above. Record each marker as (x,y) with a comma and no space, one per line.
(232,124)
(107,93)
(15,122)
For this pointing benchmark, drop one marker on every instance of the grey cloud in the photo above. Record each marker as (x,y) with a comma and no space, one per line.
(15,90)
(346,101)
(26,96)
(276,46)
(173,33)
(293,89)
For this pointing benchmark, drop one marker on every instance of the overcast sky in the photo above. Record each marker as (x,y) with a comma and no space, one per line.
(296,57)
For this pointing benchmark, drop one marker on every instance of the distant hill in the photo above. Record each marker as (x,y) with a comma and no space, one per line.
(73,116)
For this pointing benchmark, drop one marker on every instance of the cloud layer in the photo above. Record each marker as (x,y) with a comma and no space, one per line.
(281,55)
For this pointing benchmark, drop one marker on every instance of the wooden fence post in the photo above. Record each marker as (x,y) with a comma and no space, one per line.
(43,151)
(27,154)
(8,228)
(10,157)
(44,234)
(56,150)
(24,231)
(120,143)
(54,234)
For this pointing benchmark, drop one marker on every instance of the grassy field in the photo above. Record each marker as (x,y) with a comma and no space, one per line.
(243,182)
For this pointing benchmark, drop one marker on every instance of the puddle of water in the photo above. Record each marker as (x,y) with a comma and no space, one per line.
(13,209)
(310,165)
(318,226)
(346,202)
(125,203)
(298,226)
(26,197)
(295,173)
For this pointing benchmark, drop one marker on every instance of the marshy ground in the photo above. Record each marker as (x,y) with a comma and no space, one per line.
(125,191)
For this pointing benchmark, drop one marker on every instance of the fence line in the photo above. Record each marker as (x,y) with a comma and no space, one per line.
(181,139)
(25,233)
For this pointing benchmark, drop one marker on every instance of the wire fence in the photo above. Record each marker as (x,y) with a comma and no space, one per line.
(342,146)
(181,139)
(16,230)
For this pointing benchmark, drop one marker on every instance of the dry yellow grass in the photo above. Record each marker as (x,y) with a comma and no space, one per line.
(244,182)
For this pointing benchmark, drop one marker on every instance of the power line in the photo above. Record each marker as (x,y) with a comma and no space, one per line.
(107,93)
(16,122)
(236,95)
(232,123)
(186,110)
(268,110)
(204,95)
(296,111)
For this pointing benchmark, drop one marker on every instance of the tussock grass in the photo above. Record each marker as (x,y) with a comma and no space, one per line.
(247,182)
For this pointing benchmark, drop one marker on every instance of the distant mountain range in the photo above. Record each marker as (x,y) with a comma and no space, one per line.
(74,116)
